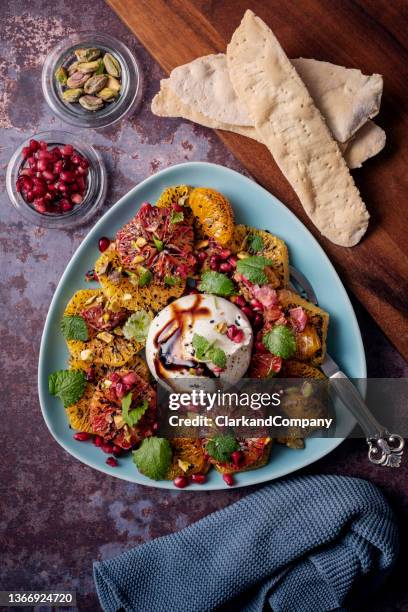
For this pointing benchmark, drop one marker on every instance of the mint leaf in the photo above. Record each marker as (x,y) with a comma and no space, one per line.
(176,217)
(137,326)
(74,328)
(153,457)
(217,357)
(280,341)
(68,385)
(253,268)
(158,243)
(133,417)
(255,243)
(101,68)
(145,277)
(216,283)
(206,351)
(221,447)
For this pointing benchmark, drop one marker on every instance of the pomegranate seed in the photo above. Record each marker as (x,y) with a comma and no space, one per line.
(180,482)
(224,253)
(214,262)
(107,448)
(237,457)
(129,379)
(198,478)
(256,305)
(90,374)
(240,301)
(260,347)
(202,256)
(103,243)
(67,150)
(58,167)
(45,156)
(42,165)
(114,377)
(225,267)
(42,145)
(206,456)
(247,312)
(76,198)
(48,175)
(63,187)
(29,196)
(67,177)
(117,451)
(39,191)
(258,320)
(34,145)
(76,159)
(81,171)
(176,207)
(217,370)
(232,261)
(66,205)
(228,479)
(239,336)
(26,152)
(98,441)
(82,436)
(90,276)
(39,205)
(32,162)
(27,172)
(84,163)
(112,462)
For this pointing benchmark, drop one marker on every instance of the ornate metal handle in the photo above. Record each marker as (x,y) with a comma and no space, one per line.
(383,448)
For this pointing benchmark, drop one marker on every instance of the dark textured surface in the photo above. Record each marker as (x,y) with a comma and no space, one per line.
(56,514)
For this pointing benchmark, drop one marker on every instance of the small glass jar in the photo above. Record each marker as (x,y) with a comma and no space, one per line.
(93,197)
(73,113)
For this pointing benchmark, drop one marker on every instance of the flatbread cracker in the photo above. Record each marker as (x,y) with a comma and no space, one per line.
(295,132)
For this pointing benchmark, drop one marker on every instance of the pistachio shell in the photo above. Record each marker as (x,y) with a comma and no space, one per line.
(107,94)
(78,79)
(91,103)
(72,95)
(112,65)
(113,84)
(95,83)
(87,55)
(88,66)
(61,75)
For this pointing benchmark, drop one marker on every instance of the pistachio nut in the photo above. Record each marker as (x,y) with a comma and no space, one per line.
(88,66)
(78,79)
(107,94)
(113,84)
(91,103)
(61,75)
(72,95)
(95,83)
(87,55)
(112,65)
(73,67)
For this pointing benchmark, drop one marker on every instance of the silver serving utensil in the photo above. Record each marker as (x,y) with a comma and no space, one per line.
(383,448)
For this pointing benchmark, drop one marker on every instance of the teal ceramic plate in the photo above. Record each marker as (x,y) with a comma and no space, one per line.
(254,206)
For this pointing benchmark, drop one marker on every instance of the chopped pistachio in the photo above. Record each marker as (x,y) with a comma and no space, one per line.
(221,327)
(86,355)
(184,465)
(105,337)
(242,255)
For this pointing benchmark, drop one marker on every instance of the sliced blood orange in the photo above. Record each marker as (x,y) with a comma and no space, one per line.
(264,365)
(213,214)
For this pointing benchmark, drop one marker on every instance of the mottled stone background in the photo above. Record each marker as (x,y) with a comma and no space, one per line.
(57,515)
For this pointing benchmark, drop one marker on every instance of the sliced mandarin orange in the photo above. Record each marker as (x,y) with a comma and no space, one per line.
(213,213)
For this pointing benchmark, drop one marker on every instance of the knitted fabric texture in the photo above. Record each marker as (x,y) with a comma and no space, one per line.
(314,543)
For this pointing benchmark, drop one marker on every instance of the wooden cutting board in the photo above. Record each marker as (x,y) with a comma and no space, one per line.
(366,34)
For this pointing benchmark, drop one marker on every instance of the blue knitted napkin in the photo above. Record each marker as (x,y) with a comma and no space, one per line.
(314,543)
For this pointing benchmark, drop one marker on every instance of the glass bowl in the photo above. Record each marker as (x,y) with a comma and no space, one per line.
(73,113)
(95,190)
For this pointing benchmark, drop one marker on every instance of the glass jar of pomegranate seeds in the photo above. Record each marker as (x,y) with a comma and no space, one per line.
(56,180)
(65,56)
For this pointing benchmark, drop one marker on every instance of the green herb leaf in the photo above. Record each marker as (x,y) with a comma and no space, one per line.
(253,268)
(68,385)
(137,326)
(216,283)
(280,341)
(171,281)
(158,243)
(206,351)
(74,328)
(101,68)
(255,243)
(221,447)
(133,417)
(176,217)
(145,277)
(153,457)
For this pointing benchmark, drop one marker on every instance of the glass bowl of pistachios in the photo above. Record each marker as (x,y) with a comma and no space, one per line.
(91,80)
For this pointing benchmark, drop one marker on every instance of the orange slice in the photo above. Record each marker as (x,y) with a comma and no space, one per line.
(213,212)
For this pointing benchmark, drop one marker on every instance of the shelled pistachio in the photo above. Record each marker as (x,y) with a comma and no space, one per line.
(91,103)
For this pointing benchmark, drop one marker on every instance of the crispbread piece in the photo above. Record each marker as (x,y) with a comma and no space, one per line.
(117,284)
(136,363)
(295,132)
(274,248)
(78,414)
(367,142)
(190,453)
(317,325)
